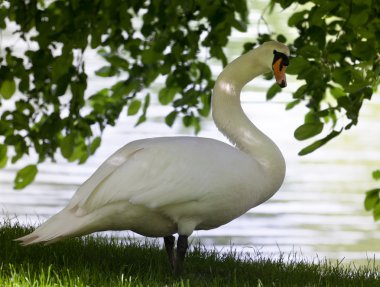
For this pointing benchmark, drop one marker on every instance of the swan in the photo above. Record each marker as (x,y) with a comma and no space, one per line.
(161,186)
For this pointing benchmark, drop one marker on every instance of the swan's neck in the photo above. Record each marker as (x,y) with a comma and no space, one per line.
(235,125)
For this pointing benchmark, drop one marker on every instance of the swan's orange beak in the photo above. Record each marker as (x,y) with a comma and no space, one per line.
(279,72)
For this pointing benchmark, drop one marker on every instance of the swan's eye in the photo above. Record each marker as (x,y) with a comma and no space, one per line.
(280,56)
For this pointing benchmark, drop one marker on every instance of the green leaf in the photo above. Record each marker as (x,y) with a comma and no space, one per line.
(149,57)
(358,16)
(297,66)
(248,46)
(77,153)
(281,38)
(83,158)
(376,212)
(309,52)
(134,107)
(317,35)
(296,18)
(61,65)
(285,3)
(187,120)
(170,118)
(311,118)
(166,95)
(342,76)
(141,119)
(239,25)
(146,103)
(206,101)
(3,151)
(371,199)
(106,71)
(376,174)
(308,130)
(337,92)
(95,144)
(319,143)
(273,90)
(3,161)
(196,124)
(217,52)
(25,176)
(292,104)
(357,87)
(316,16)
(3,155)
(301,92)
(364,50)
(67,146)
(77,89)
(8,88)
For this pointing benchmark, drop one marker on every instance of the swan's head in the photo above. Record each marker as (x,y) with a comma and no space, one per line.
(275,56)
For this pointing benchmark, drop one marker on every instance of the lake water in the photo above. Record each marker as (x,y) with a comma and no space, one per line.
(317,212)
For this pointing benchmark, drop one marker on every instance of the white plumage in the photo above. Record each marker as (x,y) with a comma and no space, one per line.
(162,186)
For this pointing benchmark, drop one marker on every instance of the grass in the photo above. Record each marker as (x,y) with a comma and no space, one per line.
(96,261)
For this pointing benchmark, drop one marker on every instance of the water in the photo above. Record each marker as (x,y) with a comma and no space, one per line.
(317,212)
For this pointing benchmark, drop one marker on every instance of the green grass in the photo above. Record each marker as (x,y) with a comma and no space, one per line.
(95,261)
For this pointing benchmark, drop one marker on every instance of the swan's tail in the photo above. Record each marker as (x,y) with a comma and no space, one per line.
(62,225)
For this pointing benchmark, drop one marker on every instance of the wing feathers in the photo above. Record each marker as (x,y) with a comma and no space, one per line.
(156,173)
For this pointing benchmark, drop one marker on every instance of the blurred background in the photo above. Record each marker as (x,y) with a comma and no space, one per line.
(318,212)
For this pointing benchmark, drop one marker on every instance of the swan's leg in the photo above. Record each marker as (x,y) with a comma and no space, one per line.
(169,246)
(182,246)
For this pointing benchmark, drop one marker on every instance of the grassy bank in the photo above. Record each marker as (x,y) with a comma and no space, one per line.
(103,262)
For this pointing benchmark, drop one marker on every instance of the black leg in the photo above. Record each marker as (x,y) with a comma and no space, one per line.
(182,246)
(169,246)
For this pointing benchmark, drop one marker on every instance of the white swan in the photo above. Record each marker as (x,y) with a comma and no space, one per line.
(161,186)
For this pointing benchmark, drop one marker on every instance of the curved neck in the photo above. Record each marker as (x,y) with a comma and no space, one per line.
(235,125)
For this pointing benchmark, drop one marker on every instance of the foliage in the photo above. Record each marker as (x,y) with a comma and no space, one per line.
(140,42)
(338,59)
(372,198)
(98,261)
(335,55)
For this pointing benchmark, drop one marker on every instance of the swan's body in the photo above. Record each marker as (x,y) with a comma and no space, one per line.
(150,187)
(161,186)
